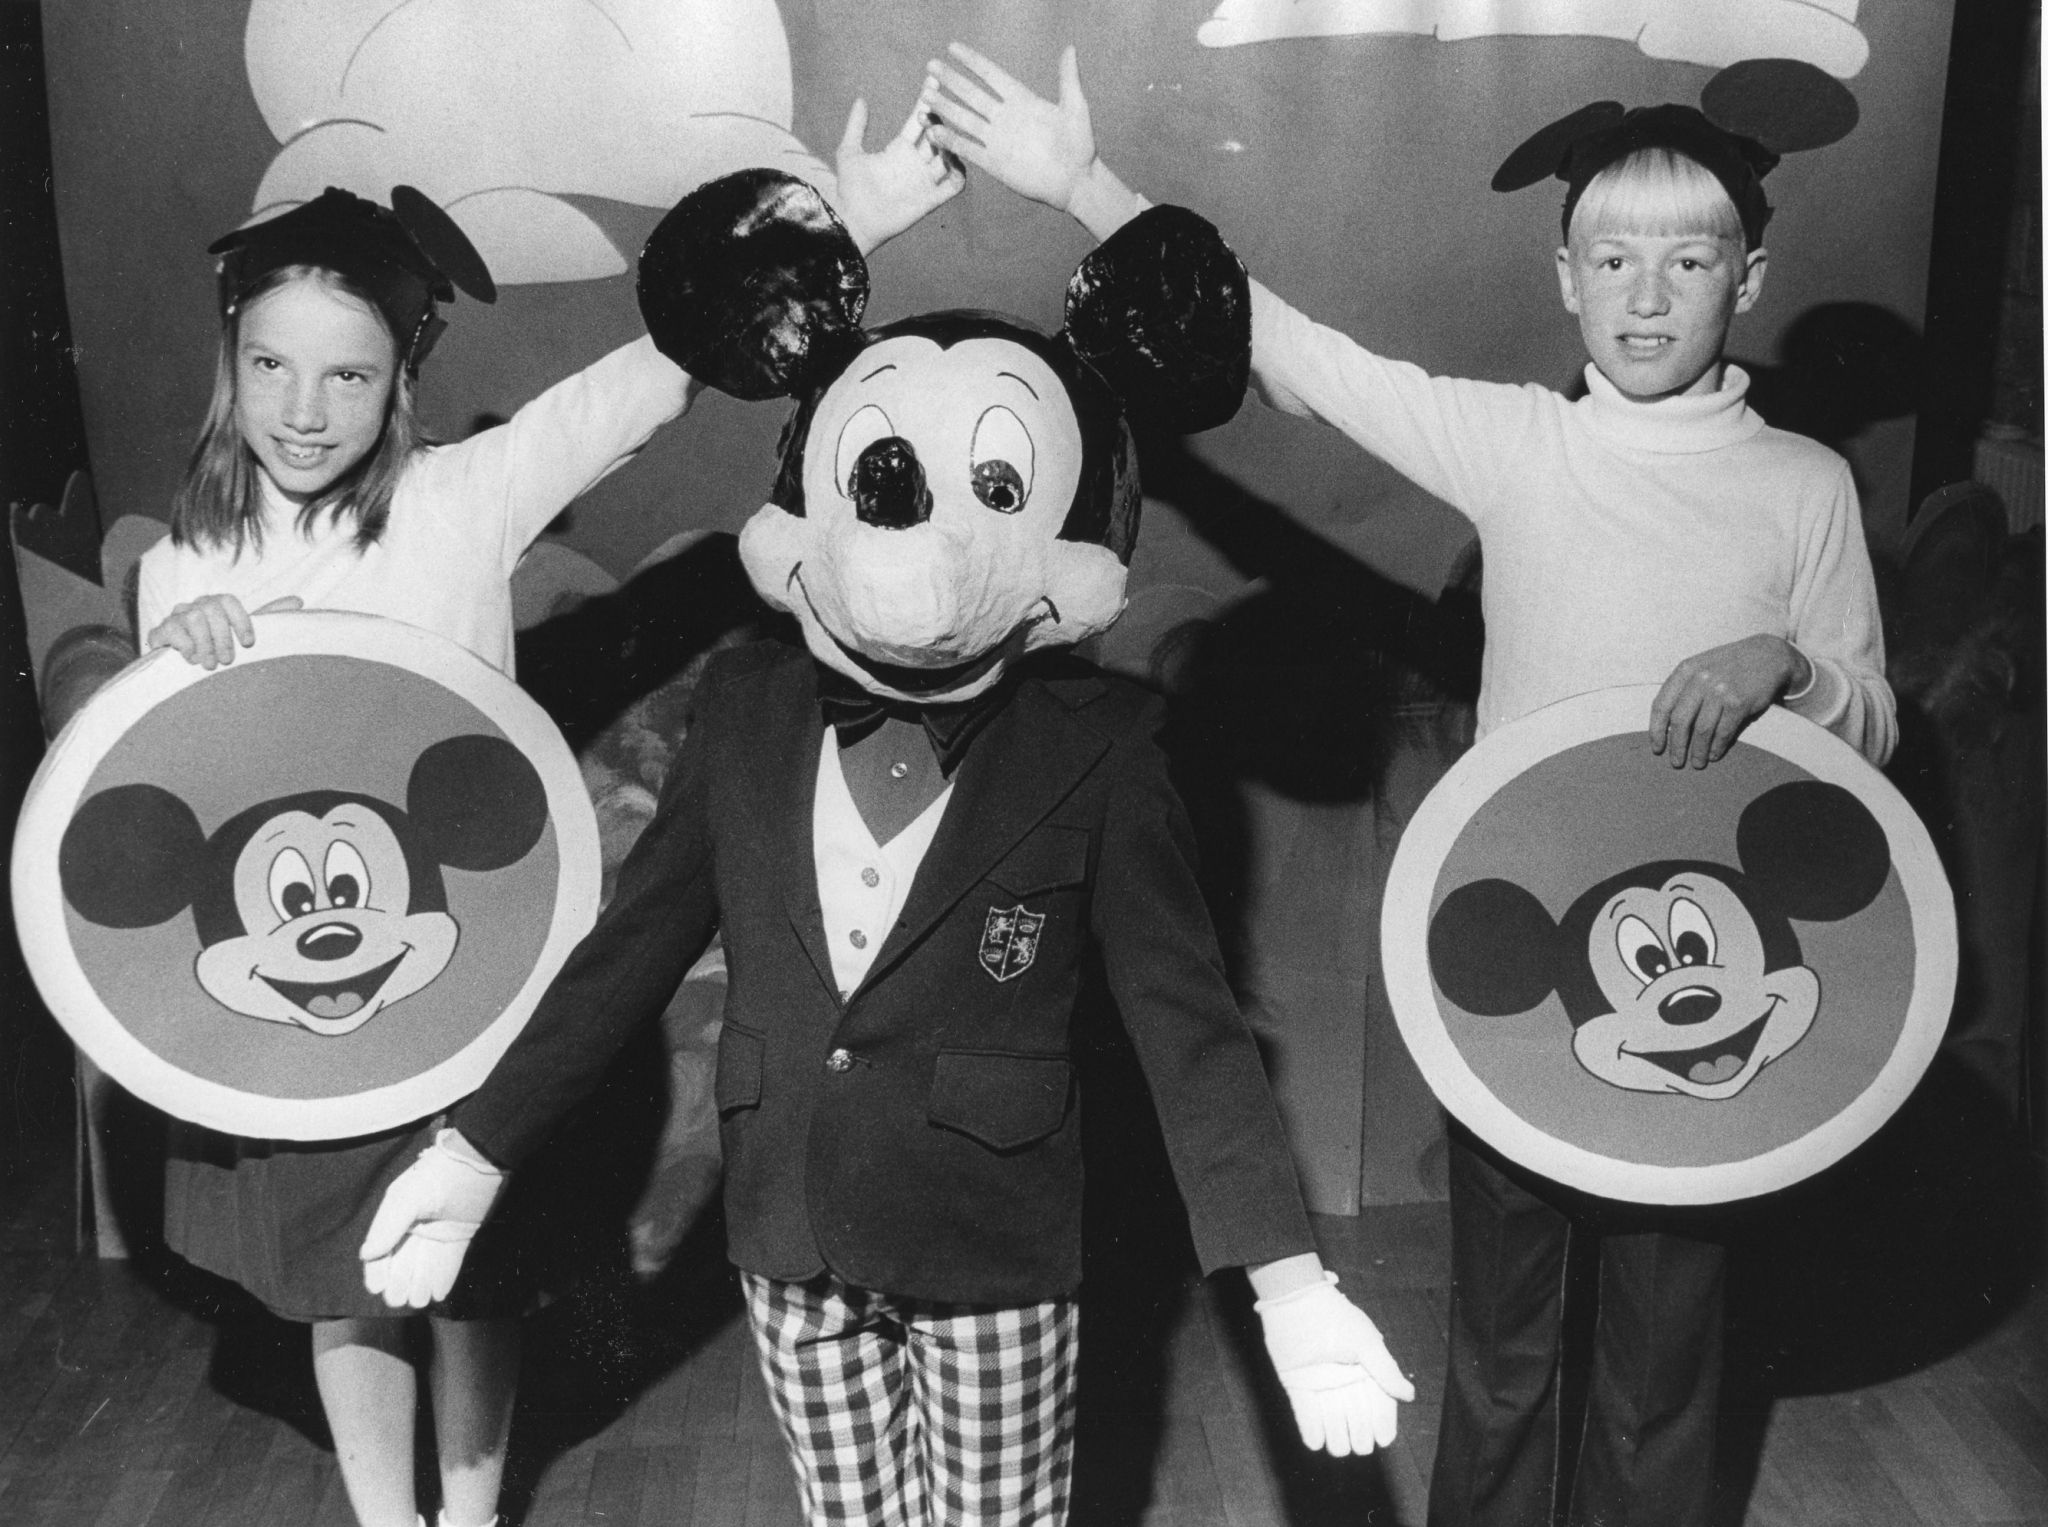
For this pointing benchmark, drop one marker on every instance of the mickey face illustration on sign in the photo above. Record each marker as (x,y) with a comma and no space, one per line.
(1676,975)
(320,909)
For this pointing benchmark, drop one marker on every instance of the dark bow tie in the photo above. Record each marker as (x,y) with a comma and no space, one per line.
(855,713)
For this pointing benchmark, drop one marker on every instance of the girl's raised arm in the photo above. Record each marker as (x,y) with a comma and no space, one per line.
(883,193)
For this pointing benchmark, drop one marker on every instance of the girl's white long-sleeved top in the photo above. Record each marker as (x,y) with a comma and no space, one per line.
(461,518)
(1620,537)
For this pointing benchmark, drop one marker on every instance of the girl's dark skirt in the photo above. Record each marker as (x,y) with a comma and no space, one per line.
(284,1219)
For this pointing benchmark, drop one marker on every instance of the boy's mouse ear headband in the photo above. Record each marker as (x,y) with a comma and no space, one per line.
(406,258)
(1750,114)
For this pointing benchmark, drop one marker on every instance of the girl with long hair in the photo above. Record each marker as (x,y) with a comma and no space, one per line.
(312,484)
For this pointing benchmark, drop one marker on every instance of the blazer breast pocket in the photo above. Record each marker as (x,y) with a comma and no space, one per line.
(738,1082)
(1050,859)
(1004,1102)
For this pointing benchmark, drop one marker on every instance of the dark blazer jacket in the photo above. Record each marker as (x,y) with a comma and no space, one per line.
(921,1137)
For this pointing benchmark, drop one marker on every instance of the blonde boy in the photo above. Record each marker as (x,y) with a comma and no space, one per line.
(1654,531)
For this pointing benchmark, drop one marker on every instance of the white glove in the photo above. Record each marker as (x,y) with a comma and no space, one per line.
(1335,1366)
(430,1213)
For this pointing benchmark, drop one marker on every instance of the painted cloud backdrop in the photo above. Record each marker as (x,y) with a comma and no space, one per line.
(499,108)
(1712,32)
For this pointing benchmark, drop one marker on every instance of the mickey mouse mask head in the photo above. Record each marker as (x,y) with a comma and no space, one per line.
(956,489)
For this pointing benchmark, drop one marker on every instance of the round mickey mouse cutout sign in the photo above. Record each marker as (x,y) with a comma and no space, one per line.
(309,895)
(1668,985)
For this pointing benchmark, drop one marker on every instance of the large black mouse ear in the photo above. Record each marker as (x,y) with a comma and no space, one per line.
(1544,152)
(750,282)
(1786,104)
(132,857)
(1815,847)
(476,802)
(1161,310)
(1493,949)
(443,242)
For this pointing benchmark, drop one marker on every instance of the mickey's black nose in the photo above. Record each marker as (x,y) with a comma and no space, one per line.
(1693,1005)
(330,941)
(888,487)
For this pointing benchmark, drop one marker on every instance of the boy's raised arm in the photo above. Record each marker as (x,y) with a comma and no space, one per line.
(1038,148)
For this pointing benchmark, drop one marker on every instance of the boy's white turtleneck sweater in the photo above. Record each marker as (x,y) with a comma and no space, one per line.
(1620,537)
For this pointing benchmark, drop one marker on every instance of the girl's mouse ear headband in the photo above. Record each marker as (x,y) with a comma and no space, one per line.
(406,258)
(1749,114)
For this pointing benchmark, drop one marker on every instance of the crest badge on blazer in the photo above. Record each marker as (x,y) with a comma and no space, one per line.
(1009,941)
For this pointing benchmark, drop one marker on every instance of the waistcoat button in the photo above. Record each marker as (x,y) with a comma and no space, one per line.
(839,1060)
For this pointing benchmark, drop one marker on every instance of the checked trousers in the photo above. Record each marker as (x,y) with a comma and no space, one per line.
(909,1413)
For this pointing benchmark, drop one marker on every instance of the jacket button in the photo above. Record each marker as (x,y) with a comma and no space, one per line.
(839,1060)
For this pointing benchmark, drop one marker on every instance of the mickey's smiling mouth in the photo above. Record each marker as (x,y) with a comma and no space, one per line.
(914,683)
(336,999)
(1710,1065)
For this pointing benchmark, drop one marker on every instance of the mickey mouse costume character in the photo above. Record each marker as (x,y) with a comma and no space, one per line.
(913,835)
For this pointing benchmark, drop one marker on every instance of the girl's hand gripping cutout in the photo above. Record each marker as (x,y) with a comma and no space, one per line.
(207,630)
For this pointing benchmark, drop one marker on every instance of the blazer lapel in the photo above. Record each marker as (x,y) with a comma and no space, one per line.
(1024,764)
(781,784)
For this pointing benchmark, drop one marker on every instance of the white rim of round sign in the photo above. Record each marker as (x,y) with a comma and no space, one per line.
(1520,745)
(78,751)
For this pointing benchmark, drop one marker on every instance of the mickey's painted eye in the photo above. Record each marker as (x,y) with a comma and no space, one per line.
(348,878)
(1641,950)
(291,885)
(997,484)
(867,425)
(1692,933)
(1001,461)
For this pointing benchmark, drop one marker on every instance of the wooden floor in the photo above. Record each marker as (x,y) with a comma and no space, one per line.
(130,1395)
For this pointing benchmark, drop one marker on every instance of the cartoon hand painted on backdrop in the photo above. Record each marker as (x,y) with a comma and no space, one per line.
(1676,976)
(321,909)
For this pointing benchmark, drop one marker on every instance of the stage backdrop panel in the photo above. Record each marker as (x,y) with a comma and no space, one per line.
(1344,148)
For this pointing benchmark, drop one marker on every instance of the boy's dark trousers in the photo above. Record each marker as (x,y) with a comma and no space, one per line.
(1647,1456)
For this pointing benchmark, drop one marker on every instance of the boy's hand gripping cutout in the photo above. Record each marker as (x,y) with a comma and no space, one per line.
(1713,695)
(422,1229)
(883,193)
(207,630)
(1335,1366)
